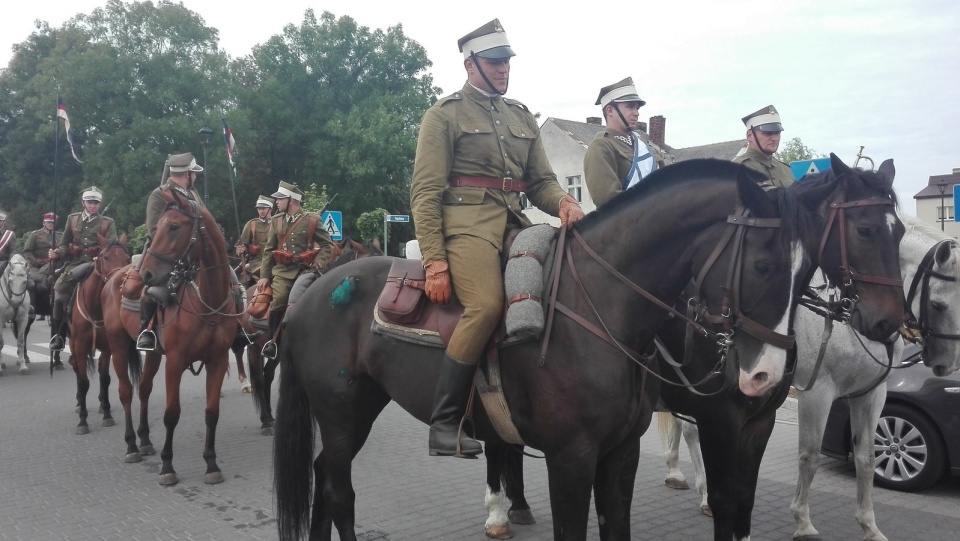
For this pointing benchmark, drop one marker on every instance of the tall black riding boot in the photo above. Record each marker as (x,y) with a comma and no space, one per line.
(269,350)
(147,341)
(56,322)
(449,404)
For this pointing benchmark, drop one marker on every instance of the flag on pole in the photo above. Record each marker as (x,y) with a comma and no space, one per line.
(229,140)
(62,113)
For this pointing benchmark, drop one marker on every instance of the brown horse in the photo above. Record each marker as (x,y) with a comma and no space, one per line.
(262,374)
(197,323)
(86,330)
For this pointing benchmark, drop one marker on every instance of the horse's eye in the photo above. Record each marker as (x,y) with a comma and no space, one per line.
(938,306)
(762,268)
(865,232)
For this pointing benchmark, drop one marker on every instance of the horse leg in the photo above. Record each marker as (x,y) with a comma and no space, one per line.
(864,416)
(691,435)
(83,382)
(570,475)
(150,368)
(670,438)
(520,512)
(238,346)
(752,443)
(215,375)
(21,330)
(613,488)
(813,407)
(497,525)
(269,373)
(719,435)
(171,417)
(125,392)
(103,367)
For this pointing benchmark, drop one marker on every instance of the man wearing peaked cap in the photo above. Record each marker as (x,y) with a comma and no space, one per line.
(8,241)
(476,152)
(763,140)
(296,242)
(620,156)
(37,253)
(253,238)
(79,246)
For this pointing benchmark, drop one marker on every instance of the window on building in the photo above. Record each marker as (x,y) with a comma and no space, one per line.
(575,187)
(945,213)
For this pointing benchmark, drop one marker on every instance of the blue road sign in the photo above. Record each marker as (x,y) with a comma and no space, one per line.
(396,217)
(956,197)
(333,222)
(805,167)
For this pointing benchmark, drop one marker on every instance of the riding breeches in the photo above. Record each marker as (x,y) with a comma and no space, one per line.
(478,284)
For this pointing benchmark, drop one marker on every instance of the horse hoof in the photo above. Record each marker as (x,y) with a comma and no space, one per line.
(3,365)
(705,509)
(498,531)
(83,429)
(58,366)
(524,517)
(168,479)
(213,478)
(132,458)
(679,484)
(266,431)
(147,450)
(108,422)
(24,371)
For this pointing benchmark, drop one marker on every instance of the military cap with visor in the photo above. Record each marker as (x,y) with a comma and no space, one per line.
(264,201)
(92,194)
(288,189)
(3,216)
(488,41)
(766,120)
(620,92)
(181,163)
(49,217)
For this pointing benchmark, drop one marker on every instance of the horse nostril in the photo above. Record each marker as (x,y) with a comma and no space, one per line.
(147,276)
(761,377)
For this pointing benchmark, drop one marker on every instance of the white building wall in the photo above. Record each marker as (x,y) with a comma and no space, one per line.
(927,211)
(566,158)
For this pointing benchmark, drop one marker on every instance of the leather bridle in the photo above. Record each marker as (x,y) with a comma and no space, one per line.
(921,285)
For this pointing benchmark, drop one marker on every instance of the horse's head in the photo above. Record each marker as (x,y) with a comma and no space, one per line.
(748,283)
(113,256)
(859,249)
(15,276)
(177,242)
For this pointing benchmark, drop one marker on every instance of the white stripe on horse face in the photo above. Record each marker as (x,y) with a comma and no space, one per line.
(772,364)
(891,221)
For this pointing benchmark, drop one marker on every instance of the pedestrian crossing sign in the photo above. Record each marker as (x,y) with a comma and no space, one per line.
(801,168)
(333,223)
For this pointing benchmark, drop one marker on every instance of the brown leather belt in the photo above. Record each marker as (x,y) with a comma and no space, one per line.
(506,184)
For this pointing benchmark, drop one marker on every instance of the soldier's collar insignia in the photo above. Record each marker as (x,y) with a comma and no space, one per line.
(623,138)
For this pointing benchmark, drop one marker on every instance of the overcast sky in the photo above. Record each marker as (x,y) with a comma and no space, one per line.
(884,74)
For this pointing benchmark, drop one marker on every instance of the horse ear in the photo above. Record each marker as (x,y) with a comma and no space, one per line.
(754,197)
(944,252)
(124,240)
(839,168)
(887,170)
(357,247)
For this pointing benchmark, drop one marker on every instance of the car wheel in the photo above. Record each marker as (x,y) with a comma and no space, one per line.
(908,450)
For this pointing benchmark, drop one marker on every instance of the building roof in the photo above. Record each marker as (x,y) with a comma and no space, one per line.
(726,150)
(933,190)
(581,132)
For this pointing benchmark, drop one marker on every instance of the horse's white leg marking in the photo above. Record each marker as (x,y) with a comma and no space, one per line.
(812,409)
(864,416)
(691,434)
(669,426)
(496,525)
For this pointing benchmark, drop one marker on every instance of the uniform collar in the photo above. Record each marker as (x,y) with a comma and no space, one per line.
(179,188)
(759,156)
(292,218)
(89,217)
(483,98)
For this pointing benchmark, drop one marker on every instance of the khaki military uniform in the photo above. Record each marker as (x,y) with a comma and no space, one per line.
(469,134)
(36,251)
(156,204)
(607,162)
(80,243)
(254,238)
(778,172)
(290,234)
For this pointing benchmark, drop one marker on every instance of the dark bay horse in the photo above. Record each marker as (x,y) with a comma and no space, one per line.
(262,374)
(86,330)
(858,251)
(188,255)
(587,400)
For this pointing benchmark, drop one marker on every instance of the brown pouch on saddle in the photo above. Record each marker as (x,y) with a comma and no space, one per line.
(402,298)
(132,286)
(260,303)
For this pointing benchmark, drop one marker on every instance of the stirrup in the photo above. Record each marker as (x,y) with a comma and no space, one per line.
(142,345)
(269,350)
(56,343)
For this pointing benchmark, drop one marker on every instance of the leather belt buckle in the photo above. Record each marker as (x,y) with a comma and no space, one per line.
(507,185)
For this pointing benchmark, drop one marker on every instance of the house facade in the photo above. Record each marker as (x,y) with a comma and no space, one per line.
(935,203)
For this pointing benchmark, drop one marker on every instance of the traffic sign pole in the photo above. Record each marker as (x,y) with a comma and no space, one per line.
(387,218)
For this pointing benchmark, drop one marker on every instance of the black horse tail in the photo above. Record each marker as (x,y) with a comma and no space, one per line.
(134,364)
(292,453)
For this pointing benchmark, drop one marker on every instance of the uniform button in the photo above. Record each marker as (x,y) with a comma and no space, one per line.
(460,200)
(476,130)
(523,135)
(501,138)
(504,154)
(498,123)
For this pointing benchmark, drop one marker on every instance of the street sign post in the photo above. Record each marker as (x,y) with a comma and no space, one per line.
(332,221)
(387,218)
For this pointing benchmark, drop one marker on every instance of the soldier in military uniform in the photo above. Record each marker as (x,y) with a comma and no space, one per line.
(296,241)
(763,140)
(476,152)
(253,239)
(8,241)
(619,156)
(37,253)
(183,175)
(79,245)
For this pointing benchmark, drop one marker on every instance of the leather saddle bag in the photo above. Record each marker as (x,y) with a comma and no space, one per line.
(403,297)
(260,303)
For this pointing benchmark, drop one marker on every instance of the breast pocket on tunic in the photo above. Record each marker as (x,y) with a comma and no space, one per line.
(520,143)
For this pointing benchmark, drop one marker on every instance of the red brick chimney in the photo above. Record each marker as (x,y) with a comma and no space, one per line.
(595,120)
(658,130)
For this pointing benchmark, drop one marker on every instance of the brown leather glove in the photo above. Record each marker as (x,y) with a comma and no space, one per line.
(438,281)
(570,211)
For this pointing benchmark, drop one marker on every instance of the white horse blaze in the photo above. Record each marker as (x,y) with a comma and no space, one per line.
(771,366)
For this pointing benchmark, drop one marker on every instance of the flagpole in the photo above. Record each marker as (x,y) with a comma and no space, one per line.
(56,169)
(233,188)
(228,142)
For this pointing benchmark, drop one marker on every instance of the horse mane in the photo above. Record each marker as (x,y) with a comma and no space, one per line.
(872,179)
(913,223)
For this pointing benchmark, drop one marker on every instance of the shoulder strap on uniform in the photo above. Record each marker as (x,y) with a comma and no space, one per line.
(75,226)
(509,101)
(104,224)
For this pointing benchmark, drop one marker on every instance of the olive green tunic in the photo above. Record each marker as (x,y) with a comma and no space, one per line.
(294,229)
(156,204)
(37,248)
(778,172)
(255,234)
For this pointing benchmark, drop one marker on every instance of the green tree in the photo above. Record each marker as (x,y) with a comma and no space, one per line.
(794,150)
(370,225)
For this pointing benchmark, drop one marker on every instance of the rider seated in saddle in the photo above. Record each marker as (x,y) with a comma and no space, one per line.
(8,241)
(296,242)
(79,245)
(37,251)
(620,156)
(476,152)
(253,239)
(763,140)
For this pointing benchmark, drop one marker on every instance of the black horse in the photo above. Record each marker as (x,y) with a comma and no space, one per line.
(587,400)
(859,247)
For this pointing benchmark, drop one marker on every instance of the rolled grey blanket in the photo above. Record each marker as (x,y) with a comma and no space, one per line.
(524,276)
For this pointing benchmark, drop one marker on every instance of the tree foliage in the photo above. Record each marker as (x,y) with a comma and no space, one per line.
(370,224)
(794,150)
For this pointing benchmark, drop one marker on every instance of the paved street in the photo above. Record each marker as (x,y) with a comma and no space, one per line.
(59,485)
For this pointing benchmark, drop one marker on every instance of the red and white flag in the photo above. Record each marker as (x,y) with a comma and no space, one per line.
(62,113)
(230,142)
